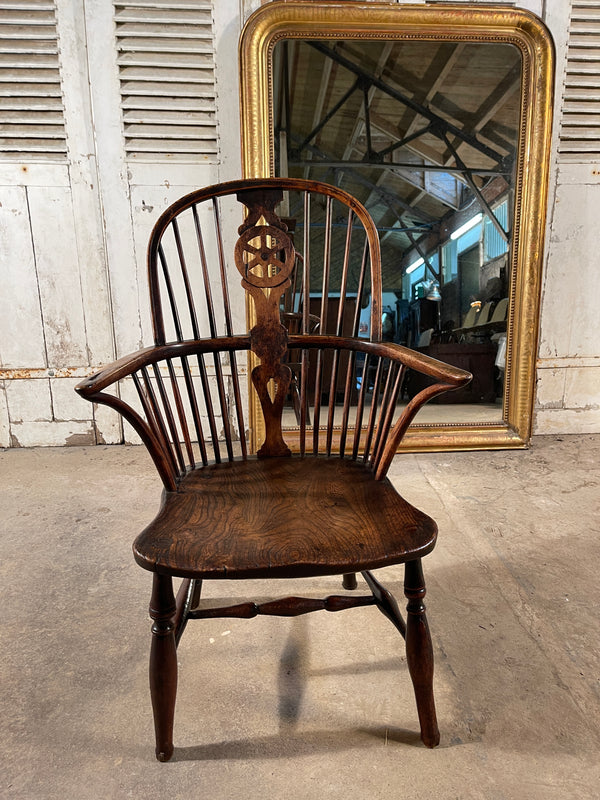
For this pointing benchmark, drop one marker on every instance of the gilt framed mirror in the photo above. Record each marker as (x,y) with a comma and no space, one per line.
(438,119)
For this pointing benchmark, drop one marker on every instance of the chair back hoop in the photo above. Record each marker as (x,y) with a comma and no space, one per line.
(185,396)
(335,241)
(321,281)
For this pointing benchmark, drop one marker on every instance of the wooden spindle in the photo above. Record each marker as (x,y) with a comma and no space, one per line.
(317,403)
(303,399)
(306,267)
(183,423)
(360,288)
(191,393)
(360,406)
(205,274)
(169,418)
(238,403)
(186,280)
(326,268)
(332,398)
(222,394)
(154,420)
(373,411)
(214,436)
(350,378)
(344,281)
(170,293)
(222,268)
(387,388)
(390,406)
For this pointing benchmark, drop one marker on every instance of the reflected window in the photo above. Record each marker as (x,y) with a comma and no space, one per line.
(494,244)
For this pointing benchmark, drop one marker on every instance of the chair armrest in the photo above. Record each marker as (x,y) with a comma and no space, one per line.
(447,377)
(128,365)
(388,436)
(451,376)
(160,420)
(112,373)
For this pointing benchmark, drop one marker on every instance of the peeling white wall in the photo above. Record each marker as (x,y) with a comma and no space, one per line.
(568,367)
(568,387)
(73,238)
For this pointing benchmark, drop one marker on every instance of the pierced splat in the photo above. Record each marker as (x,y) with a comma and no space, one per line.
(264,257)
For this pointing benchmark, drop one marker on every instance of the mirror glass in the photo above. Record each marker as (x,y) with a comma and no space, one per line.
(425,134)
(438,119)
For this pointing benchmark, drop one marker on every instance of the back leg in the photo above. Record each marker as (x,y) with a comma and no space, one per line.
(349,581)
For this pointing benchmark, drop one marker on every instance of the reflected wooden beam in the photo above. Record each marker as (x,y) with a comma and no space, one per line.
(324,86)
(360,122)
(405,100)
(408,165)
(433,80)
(487,111)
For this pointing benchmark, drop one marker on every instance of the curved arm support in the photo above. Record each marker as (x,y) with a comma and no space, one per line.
(152,443)
(164,413)
(396,434)
(446,377)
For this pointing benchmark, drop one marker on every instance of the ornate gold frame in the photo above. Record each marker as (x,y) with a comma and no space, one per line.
(336,20)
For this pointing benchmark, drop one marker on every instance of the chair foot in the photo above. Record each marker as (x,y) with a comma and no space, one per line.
(163,664)
(165,756)
(419,652)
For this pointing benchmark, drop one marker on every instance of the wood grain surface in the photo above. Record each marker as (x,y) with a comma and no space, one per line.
(282,517)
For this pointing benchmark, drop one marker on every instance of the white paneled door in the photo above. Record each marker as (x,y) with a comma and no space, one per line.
(108,112)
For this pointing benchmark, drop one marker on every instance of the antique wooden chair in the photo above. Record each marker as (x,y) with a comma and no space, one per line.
(325,509)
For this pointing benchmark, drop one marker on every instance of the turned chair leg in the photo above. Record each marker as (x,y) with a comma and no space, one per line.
(163,664)
(419,652)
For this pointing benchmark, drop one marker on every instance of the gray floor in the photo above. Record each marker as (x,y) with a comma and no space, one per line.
(319,706)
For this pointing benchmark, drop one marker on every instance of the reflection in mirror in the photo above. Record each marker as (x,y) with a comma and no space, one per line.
(425,134)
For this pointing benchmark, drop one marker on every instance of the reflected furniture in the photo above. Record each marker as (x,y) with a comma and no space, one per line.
(476,358)
(227,514)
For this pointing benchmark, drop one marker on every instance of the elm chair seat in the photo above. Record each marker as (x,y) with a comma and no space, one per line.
(283,518)
(314,499)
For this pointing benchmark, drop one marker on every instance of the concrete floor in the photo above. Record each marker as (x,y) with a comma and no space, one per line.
(318,706)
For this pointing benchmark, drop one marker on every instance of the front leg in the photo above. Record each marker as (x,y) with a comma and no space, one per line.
(163,664)
(419,652)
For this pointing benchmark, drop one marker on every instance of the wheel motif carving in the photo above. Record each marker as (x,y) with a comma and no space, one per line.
(264,256)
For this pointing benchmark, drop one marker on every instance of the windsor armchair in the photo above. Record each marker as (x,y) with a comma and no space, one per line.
(325,509)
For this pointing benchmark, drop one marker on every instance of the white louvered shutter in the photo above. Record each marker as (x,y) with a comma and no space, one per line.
(166,69)
(31,107)
(580,124)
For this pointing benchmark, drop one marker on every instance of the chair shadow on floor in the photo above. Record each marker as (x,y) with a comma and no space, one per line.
(294,673)
(295,744)
(507,694)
